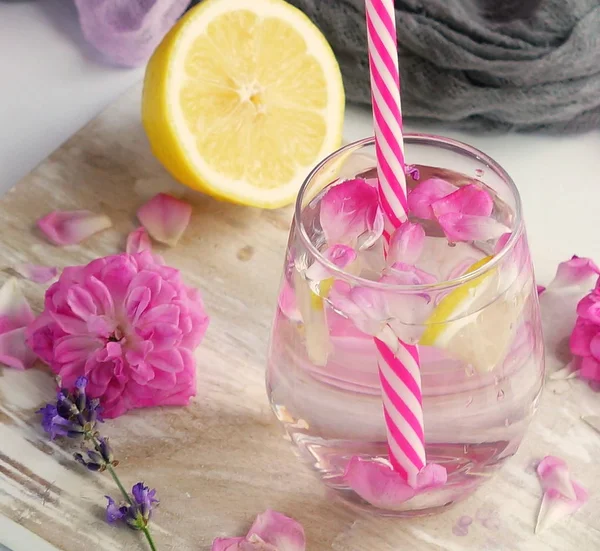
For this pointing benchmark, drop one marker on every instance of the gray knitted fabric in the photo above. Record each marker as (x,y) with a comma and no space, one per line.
(542,73)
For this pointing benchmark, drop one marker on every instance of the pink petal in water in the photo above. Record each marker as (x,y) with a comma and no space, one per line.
(562,496)
(348,210)
(165,218)
(402,273)
(287,302)
(468,227)
(406,244)
(578,271)
(70,227)
(271,531)
(339,255)
(138,241)
(469,199)
(427,192)
(36,272)
(377,483)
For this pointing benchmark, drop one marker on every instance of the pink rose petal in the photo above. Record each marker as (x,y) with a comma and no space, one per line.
(36,273)
(406,244)
(339,255)
(468,227)
(348,210)
(589,369)
(271,531)
(70,227)
(469,199)
(401,273)
(555,507)
(287,302)
(554,475)
(427,192)
(562,496)
(13,350)
(377,483)
(165,218)
(138,241)
(575,272)
(540,289)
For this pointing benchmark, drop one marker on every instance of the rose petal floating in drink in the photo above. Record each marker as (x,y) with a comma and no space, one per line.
(338,255)
(271,531)
(138,241)
(377,483)
(406,244)
(468,227)
(427,192)
(401,273)
(165,218)
(36,272)
(287,302)
(562,495)
(69,227)
(15,315)
(348,210)
(469,199)
(540,289)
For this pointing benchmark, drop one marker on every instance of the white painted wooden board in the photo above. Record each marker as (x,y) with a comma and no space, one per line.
(220,461)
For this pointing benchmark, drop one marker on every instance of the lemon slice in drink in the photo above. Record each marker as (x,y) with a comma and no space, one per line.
(474,323)
(242,98)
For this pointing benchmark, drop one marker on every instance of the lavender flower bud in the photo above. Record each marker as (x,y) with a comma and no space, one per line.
(106,452)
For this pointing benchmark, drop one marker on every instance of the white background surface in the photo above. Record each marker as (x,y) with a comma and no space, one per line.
(52,83)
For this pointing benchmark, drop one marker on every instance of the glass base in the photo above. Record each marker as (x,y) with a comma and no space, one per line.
(468,467)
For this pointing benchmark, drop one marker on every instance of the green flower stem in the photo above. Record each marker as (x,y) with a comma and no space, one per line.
(124,492)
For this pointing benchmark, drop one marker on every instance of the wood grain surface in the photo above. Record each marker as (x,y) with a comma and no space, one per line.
(223,459)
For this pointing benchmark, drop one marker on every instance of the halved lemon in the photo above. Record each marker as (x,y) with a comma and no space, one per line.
(474,322)
(242,98)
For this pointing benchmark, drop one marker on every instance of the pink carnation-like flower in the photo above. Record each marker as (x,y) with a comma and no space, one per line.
(129,324)
(585,338)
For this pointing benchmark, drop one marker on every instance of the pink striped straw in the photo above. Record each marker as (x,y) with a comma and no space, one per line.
(399,369)
(387,112)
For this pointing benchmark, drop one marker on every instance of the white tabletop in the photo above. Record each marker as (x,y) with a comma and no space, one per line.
(52,83)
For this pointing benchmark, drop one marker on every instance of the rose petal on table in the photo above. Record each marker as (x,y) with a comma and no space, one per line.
(406,244)
(15,311)
(427,192)
(555,507)
(36,272)
(13,350)
(468,227)
(69,227)
(593,421)
(554,475)
(348,210)
(138,241)
(469,199)
(339,255)
(540,289)
(578,271)
(283,533)
(128,32)
(165,218)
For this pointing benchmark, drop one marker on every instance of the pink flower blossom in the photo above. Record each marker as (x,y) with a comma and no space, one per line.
(350,210)
(562,495)
(15,315)
(585,338)
(129,324)
(271,531)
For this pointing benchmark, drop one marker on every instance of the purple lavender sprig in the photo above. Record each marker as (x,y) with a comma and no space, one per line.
(74,415)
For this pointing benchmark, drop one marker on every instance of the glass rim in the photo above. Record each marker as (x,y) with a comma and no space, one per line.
(425,139)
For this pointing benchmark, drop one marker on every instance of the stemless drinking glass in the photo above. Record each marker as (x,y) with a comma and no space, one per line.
(479,334)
